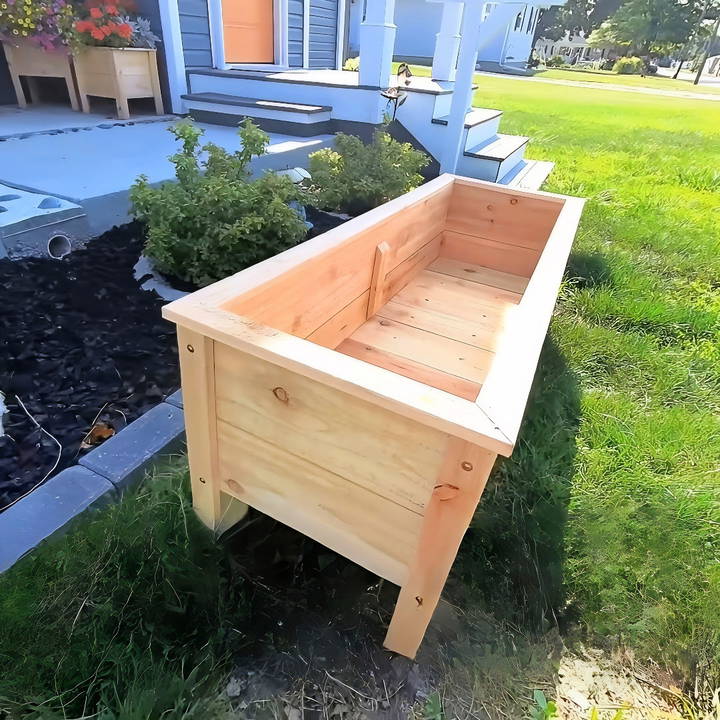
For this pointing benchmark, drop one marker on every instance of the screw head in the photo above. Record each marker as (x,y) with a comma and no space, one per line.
(190,348)
(202,480)
(465,465)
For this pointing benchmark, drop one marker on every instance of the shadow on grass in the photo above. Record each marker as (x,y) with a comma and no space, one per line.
(514,551)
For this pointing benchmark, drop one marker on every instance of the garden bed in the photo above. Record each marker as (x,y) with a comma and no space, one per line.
(81,344)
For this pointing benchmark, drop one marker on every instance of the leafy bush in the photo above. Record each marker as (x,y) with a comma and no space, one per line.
(607,64)
(555,61)
(354,177)
(352,64)
(629,66)
(213,221)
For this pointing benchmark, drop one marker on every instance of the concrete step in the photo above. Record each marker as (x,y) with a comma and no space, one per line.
(481,124)
(528,175)
(272,115)
(493,159)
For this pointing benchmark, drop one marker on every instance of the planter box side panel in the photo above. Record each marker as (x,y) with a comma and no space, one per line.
(134,73)
(500,229)
(343,471)
(322,297)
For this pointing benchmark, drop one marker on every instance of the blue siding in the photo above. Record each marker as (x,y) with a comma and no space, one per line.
(295,33)
(195,30)
(323,33)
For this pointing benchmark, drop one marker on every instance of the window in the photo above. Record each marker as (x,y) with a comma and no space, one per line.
(530,19)
(518,21)
(487,10)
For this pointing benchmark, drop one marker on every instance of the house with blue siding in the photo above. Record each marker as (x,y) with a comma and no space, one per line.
(280,63)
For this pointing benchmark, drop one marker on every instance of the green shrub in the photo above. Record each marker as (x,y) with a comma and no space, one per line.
(555,61)
(629,66)
(607,64)
(214,221)
(352,64)
(354,177)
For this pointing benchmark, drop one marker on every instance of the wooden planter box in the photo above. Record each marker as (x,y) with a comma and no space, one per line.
(359,387)
(33,62)
(119,73)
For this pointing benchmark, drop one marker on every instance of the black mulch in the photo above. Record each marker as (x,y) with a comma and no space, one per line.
(78,339)
(81,343)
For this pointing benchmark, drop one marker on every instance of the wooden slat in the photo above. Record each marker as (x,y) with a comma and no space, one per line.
(505,394)
(458,489)
(341,325)
(403,273)
(479,274)
(377,282)
(478,332)
(297,292)
(331,429)
(406,367)
(362,526)
(438,352)
(511,218)
(443,294)
(490,253)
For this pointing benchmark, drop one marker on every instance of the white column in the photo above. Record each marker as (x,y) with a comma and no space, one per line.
(463,85)
(447,41)
(377,43)
(173,50)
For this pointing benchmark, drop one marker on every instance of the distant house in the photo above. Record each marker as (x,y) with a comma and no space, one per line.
(572,48)
(506,35)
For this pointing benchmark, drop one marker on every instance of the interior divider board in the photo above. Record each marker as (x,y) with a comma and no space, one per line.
(491,254)
(314,423)
(430,290)
(514,219)
(308,293)
(343,323)
(406,271)
(439,352)
(460,387)
(377,283)
(479,274)
(346,517)
(481,333)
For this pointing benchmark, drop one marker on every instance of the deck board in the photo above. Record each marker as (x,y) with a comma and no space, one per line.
(479,274)
(442,328)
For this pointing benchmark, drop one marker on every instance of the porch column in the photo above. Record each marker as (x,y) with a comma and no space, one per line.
(462,94)
(377,43)
(447,41)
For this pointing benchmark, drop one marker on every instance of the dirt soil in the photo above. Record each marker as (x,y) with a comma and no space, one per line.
(313,649)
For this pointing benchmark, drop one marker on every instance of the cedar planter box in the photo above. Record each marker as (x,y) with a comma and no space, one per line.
(33,62)
(119,73)
(359,386)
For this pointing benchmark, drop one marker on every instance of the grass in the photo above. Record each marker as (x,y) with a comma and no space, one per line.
(607,515)
(638,328)
(656,82)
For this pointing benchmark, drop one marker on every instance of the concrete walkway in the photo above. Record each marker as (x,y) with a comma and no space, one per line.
(95,167)
(609,86)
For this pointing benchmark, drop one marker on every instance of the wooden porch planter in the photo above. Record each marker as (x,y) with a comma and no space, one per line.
(119,73)
(360,386)
(32,62)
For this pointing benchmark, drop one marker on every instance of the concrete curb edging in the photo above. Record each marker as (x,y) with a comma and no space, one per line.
(99,479)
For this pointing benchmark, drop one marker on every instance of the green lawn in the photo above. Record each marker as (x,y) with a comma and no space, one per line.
(606,518)
(657,82)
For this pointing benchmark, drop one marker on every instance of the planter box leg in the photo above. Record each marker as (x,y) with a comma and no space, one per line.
(216,509)
(17,85)
(461,482)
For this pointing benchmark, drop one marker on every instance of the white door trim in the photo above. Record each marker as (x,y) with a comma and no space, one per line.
(172,48)
(340,36)
(280,23)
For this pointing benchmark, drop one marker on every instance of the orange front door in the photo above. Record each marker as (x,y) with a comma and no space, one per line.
(248,31)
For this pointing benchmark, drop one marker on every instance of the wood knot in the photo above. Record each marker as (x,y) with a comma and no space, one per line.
(513,201)
(466,466)
(190,348)
(446,491)
(418,600)
(234,486)
(281,394)
(384,322)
